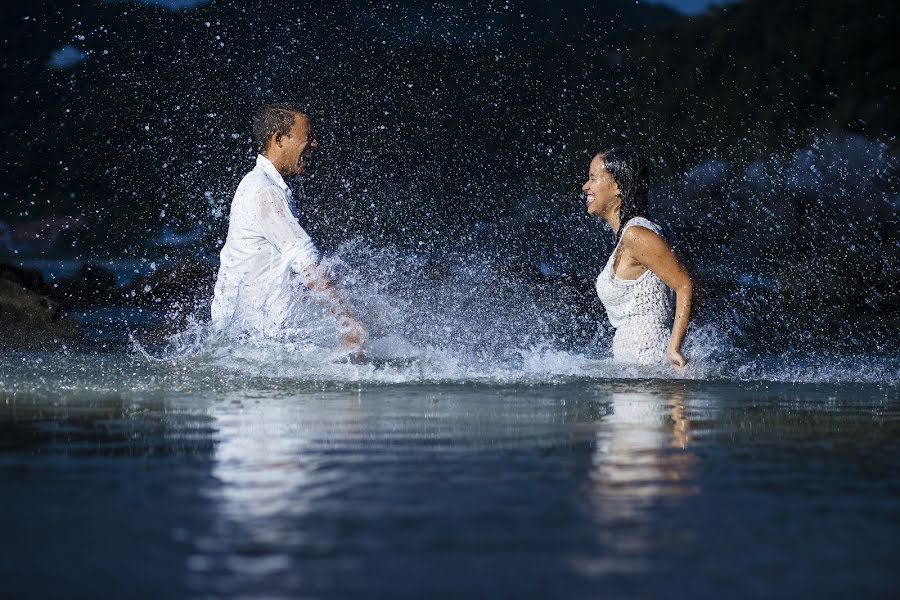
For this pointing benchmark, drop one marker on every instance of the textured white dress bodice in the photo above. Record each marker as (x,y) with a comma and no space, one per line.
(639,309)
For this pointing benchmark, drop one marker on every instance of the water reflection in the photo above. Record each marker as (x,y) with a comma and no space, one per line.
(341,477)
(642,461)
(280,489)
(270,468)
(99,426)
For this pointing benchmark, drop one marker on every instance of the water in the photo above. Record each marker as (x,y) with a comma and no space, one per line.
(127,477)
(489,447)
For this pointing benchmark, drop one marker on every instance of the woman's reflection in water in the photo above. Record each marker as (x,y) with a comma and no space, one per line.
(642,464)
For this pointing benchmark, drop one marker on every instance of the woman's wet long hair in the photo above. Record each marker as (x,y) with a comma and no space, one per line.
(628,168)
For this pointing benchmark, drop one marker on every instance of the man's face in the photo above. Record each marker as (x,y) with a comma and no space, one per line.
(295,148)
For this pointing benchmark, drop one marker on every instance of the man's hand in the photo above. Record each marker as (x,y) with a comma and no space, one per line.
(354,336)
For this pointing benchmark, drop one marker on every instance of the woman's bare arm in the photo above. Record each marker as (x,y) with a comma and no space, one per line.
(654,253)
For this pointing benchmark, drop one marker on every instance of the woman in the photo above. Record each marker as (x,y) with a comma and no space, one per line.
(634,285)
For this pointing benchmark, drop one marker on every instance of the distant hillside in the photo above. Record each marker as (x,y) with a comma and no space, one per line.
(455,119)
(760,76)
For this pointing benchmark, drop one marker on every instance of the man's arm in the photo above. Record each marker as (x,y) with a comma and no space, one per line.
(280,227)
(329,296)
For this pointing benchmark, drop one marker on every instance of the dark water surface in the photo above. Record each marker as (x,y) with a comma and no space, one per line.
(135,483)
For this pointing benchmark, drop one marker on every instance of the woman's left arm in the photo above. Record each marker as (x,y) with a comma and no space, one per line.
(654,253)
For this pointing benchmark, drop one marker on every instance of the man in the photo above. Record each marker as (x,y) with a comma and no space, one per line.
(267,251)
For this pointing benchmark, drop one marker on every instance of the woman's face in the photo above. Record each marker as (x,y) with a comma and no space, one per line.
(601,189)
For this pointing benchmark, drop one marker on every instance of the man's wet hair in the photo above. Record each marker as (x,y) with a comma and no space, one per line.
(274,118)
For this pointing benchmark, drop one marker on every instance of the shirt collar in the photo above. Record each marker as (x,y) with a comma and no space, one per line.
(269,169)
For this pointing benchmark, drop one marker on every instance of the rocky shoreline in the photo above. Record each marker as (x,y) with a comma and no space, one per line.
(36,315)
(31,316)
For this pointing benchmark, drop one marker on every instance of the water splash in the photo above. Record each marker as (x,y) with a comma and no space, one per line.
(458,319)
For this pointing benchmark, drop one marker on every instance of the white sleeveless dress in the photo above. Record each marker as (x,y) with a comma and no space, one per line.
(640,309)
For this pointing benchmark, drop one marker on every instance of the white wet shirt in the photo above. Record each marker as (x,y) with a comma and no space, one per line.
(264,250)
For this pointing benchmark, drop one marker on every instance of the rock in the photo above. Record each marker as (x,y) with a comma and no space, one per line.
(30,280)
(30,319)
(185,284)
(768,212)
(699,205)
(91,286)
(184,292)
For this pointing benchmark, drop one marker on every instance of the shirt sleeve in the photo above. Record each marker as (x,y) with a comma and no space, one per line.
(279,226)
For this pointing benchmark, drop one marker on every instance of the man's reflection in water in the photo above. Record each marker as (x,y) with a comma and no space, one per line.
(270,467)
(642,464)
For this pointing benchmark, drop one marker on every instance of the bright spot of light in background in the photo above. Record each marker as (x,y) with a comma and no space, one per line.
(168,4)
(66,57)
(693,7)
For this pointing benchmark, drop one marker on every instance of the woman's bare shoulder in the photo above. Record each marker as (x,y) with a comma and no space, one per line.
(638,236)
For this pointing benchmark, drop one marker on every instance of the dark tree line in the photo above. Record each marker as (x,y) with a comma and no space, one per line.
(429,121)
